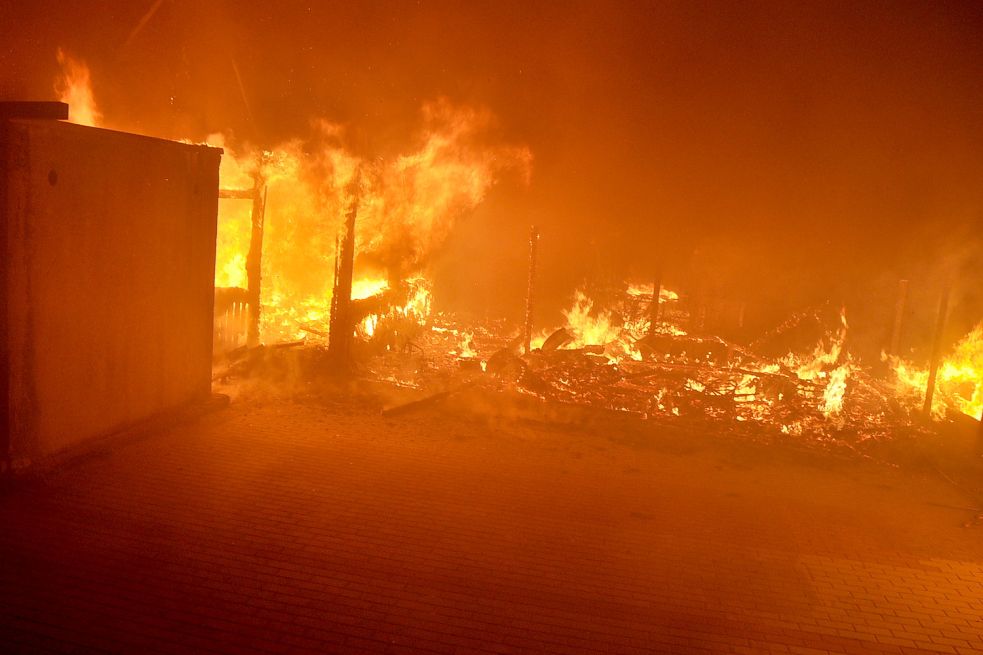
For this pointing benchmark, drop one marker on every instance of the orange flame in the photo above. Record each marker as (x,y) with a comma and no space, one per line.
(74,87)
(959,382)
(407,207)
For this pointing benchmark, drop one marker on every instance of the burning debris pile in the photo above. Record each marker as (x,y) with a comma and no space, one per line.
(619,360)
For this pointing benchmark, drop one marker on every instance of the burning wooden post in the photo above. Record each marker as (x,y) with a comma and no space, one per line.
(340,330)
(530,286)
(254,259)
(334,282)
(656,299)
(899,310)
(933,369)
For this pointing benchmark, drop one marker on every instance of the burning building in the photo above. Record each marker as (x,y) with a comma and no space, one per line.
(375,231)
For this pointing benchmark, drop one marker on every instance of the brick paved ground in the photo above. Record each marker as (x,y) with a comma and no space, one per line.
(313,527)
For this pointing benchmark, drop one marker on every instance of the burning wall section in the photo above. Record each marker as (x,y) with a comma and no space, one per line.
(408,204)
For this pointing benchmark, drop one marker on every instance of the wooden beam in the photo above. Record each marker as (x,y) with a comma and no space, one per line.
(530,288)
(341,325)
(236,194)
(254,259)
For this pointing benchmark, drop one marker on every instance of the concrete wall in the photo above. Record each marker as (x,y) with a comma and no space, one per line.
(110,254)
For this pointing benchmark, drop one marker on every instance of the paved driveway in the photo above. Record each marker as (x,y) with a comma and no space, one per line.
(325,527)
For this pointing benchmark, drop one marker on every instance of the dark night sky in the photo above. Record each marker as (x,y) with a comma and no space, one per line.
(817,141)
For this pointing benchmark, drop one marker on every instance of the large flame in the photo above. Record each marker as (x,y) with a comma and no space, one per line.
(74,87)
(959,382)
(589,327)
(407,207)
(829,363)
(619,333)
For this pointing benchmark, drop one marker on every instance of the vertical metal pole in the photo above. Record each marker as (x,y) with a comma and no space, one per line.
(340,332)
(656,299)
(899,310)
(530,287)
(254,259)
(933,369)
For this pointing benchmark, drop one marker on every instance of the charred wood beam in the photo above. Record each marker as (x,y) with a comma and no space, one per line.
(254,258)
(236,194)
(530,288)
(558,339)
(933,369)
(341,323)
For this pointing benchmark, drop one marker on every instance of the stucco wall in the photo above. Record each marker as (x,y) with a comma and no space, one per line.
(110,257)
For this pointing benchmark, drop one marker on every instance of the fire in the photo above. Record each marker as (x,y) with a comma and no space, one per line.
(618,333)
(959,383)
(416,309)
(588,327)
(368,287)
(407,207)
(75,88)
(832,403)
(811,368)
(643,290)
(234,220)
(466,347)
(816,367)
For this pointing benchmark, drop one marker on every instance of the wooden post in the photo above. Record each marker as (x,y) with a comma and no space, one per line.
(979,437)
(530,287)
(933,369)
(334,281)
(899,310)
(254,259)
(340,333)
(656,299)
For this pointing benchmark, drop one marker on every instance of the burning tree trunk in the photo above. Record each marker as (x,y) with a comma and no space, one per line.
(254,259)
(530,287)
(341,324)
